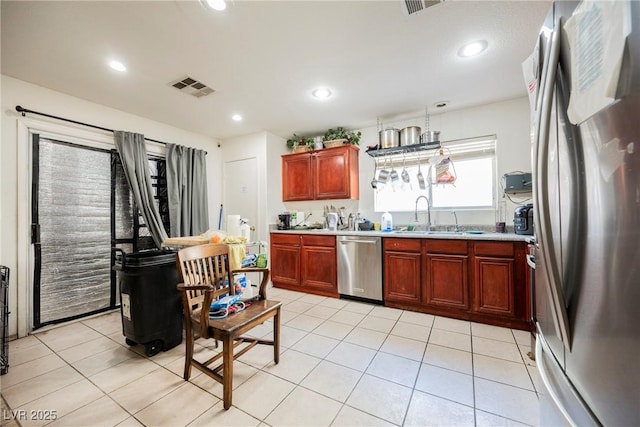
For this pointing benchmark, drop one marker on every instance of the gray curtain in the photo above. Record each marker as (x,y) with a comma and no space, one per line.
(187,190)
(133,154)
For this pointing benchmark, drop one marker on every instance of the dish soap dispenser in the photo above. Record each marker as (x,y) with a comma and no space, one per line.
(387,222)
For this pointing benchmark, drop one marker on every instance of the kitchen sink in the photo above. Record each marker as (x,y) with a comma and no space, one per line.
(411,232)
(445,232)
(431,232)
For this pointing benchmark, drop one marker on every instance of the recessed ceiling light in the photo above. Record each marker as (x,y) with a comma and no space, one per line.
(321,93)
(215,4)
(117,65)
(236,117)
(473,48)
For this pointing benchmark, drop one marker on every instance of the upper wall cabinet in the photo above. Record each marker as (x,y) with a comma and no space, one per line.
(331,173)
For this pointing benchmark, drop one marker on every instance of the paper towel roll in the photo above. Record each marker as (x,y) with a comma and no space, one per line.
(233,225)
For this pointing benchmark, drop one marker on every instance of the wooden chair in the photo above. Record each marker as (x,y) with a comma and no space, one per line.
(206,276)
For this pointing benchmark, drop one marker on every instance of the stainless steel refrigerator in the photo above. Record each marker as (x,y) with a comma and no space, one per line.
(585,98)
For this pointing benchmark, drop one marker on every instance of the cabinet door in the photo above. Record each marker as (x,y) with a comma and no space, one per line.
(285,259)
(319,268)
(297,182)
(335,172)
(402,276)
(447,283)
(494,290)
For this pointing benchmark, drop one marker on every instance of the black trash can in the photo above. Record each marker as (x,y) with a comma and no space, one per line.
(150,304)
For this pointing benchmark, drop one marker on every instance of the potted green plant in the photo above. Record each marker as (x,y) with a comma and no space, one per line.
(299,144)
(339,136)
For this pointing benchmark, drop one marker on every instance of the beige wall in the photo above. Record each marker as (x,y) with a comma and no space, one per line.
(15,166)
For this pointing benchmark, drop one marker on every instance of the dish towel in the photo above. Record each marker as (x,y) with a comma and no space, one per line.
(236,255)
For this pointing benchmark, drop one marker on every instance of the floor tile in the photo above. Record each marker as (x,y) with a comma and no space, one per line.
(178,408)
(321,312)
(87,349)
(507,401)
(315,345)
(366,338)
(379,324)
(32,369)
(499,349)
(299,306)
(105,324)
(63,401)
(165,357)
(261,394)
(453,325)
(98,362)
(352,356)
(130,422)
(386,312)
(412,331)
(427,410)
(492,332)
(304,408)
(404,347)
(27,353)
(450,339)
(305,323)
(333,330)
(381,398)
(421,319)
(101,412)
(67,336)
(290,336)
(485,419)
(333,303)
(241,374)
(351,417)
(348,317)
(394,368)
(293,366)
(286,315)
(358,307)
(525,352)
(258,356)
(522,337)
(445,383)
(218,416)
(144,391)
(123,373)
(448,358)
(312,299)
(535,378)
(502,371)
(332,380)
(23,343)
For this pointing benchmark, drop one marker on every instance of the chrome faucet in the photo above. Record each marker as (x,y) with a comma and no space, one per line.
(455,216)
(428,210)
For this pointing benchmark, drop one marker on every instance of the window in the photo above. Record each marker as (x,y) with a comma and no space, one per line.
(473,164)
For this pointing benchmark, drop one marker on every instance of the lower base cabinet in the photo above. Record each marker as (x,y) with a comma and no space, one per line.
(482,281)
(305,263)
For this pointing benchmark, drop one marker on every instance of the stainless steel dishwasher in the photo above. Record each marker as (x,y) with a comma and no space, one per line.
(360,267)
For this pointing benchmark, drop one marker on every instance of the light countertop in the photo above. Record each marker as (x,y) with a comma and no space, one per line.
(464,235)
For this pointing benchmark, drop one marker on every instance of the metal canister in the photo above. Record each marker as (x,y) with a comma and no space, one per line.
(389,138)
(410,135)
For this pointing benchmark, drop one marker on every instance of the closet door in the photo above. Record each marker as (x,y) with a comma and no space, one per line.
(71,231)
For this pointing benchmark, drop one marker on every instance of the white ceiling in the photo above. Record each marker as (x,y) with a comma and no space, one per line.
(263,58)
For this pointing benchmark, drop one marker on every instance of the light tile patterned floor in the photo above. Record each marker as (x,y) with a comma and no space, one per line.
(342,363)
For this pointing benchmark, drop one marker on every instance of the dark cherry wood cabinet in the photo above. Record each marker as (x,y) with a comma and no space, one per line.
(331,173)
(285,259)
(446,273)
(306,263)
(483,281)
(402,270)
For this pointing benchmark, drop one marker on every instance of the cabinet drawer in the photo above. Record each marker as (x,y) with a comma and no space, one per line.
(311,240)
(503,249)
(285,239)
(404,245)
(455,247)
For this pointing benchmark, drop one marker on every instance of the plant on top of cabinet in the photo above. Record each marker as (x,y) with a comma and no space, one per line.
(340,136)
(299,144)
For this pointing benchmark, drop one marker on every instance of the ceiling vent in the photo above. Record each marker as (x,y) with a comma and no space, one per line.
(191,86)
(411,7)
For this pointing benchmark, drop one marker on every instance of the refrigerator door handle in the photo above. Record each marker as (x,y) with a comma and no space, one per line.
(541,206)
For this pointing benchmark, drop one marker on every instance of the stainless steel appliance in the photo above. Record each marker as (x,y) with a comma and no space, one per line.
(359,268)
(587,214)
(523,220)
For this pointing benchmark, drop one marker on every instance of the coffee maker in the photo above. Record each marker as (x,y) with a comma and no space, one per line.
(284,221)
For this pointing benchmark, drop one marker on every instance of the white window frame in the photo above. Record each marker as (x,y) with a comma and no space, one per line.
(458,150)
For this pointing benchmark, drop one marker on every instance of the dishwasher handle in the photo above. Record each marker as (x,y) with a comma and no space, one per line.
(371,242)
